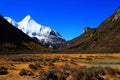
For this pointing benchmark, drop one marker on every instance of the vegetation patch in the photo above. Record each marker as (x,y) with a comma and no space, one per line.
(3,70)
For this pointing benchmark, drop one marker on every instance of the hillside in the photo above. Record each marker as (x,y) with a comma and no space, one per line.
(103,39)
(12,38)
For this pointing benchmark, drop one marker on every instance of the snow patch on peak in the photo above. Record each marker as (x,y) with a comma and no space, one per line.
(14,23)
(28,25)
(27,18)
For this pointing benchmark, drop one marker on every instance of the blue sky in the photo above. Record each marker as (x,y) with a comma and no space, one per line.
(68,17)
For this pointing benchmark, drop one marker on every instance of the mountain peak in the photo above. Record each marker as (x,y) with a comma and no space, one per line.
(116,15)
(119,8)
(27,18)
(117,12)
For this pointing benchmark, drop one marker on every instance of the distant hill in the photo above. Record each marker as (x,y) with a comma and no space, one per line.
(103,39)
(11,38)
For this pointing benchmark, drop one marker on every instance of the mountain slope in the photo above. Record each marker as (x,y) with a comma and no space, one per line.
(104,39)
(45,35)
(12,38)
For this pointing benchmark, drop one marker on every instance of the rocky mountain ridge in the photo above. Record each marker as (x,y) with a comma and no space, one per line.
(103,39)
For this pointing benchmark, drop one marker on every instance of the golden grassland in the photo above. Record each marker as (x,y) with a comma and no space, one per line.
(35,66)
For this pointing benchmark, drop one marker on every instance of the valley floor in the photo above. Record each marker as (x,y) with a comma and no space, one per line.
(60,66)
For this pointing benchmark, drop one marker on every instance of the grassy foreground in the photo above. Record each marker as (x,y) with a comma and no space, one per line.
(60,67)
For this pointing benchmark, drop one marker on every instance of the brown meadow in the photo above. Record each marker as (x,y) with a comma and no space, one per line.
(60,66)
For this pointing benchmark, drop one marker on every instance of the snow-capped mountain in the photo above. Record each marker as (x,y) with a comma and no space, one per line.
(47,36)
(13,22)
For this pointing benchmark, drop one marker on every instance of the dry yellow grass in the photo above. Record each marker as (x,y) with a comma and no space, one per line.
(73,60)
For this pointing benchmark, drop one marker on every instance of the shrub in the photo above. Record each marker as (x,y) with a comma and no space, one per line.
(3,70)
(89,58)
(100,71)
(110,71)
(61,76)
(118,72)
(54,59)
(26,72)
(23,72)
(100,78)
(37,64)
(40,59)
(48,75)
(50,63)
(84,73)
(75,73)
(32,66)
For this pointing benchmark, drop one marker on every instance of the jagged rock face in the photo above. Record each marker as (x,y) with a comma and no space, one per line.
(104,39)
(89,31)
(116,16)
(86,29)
